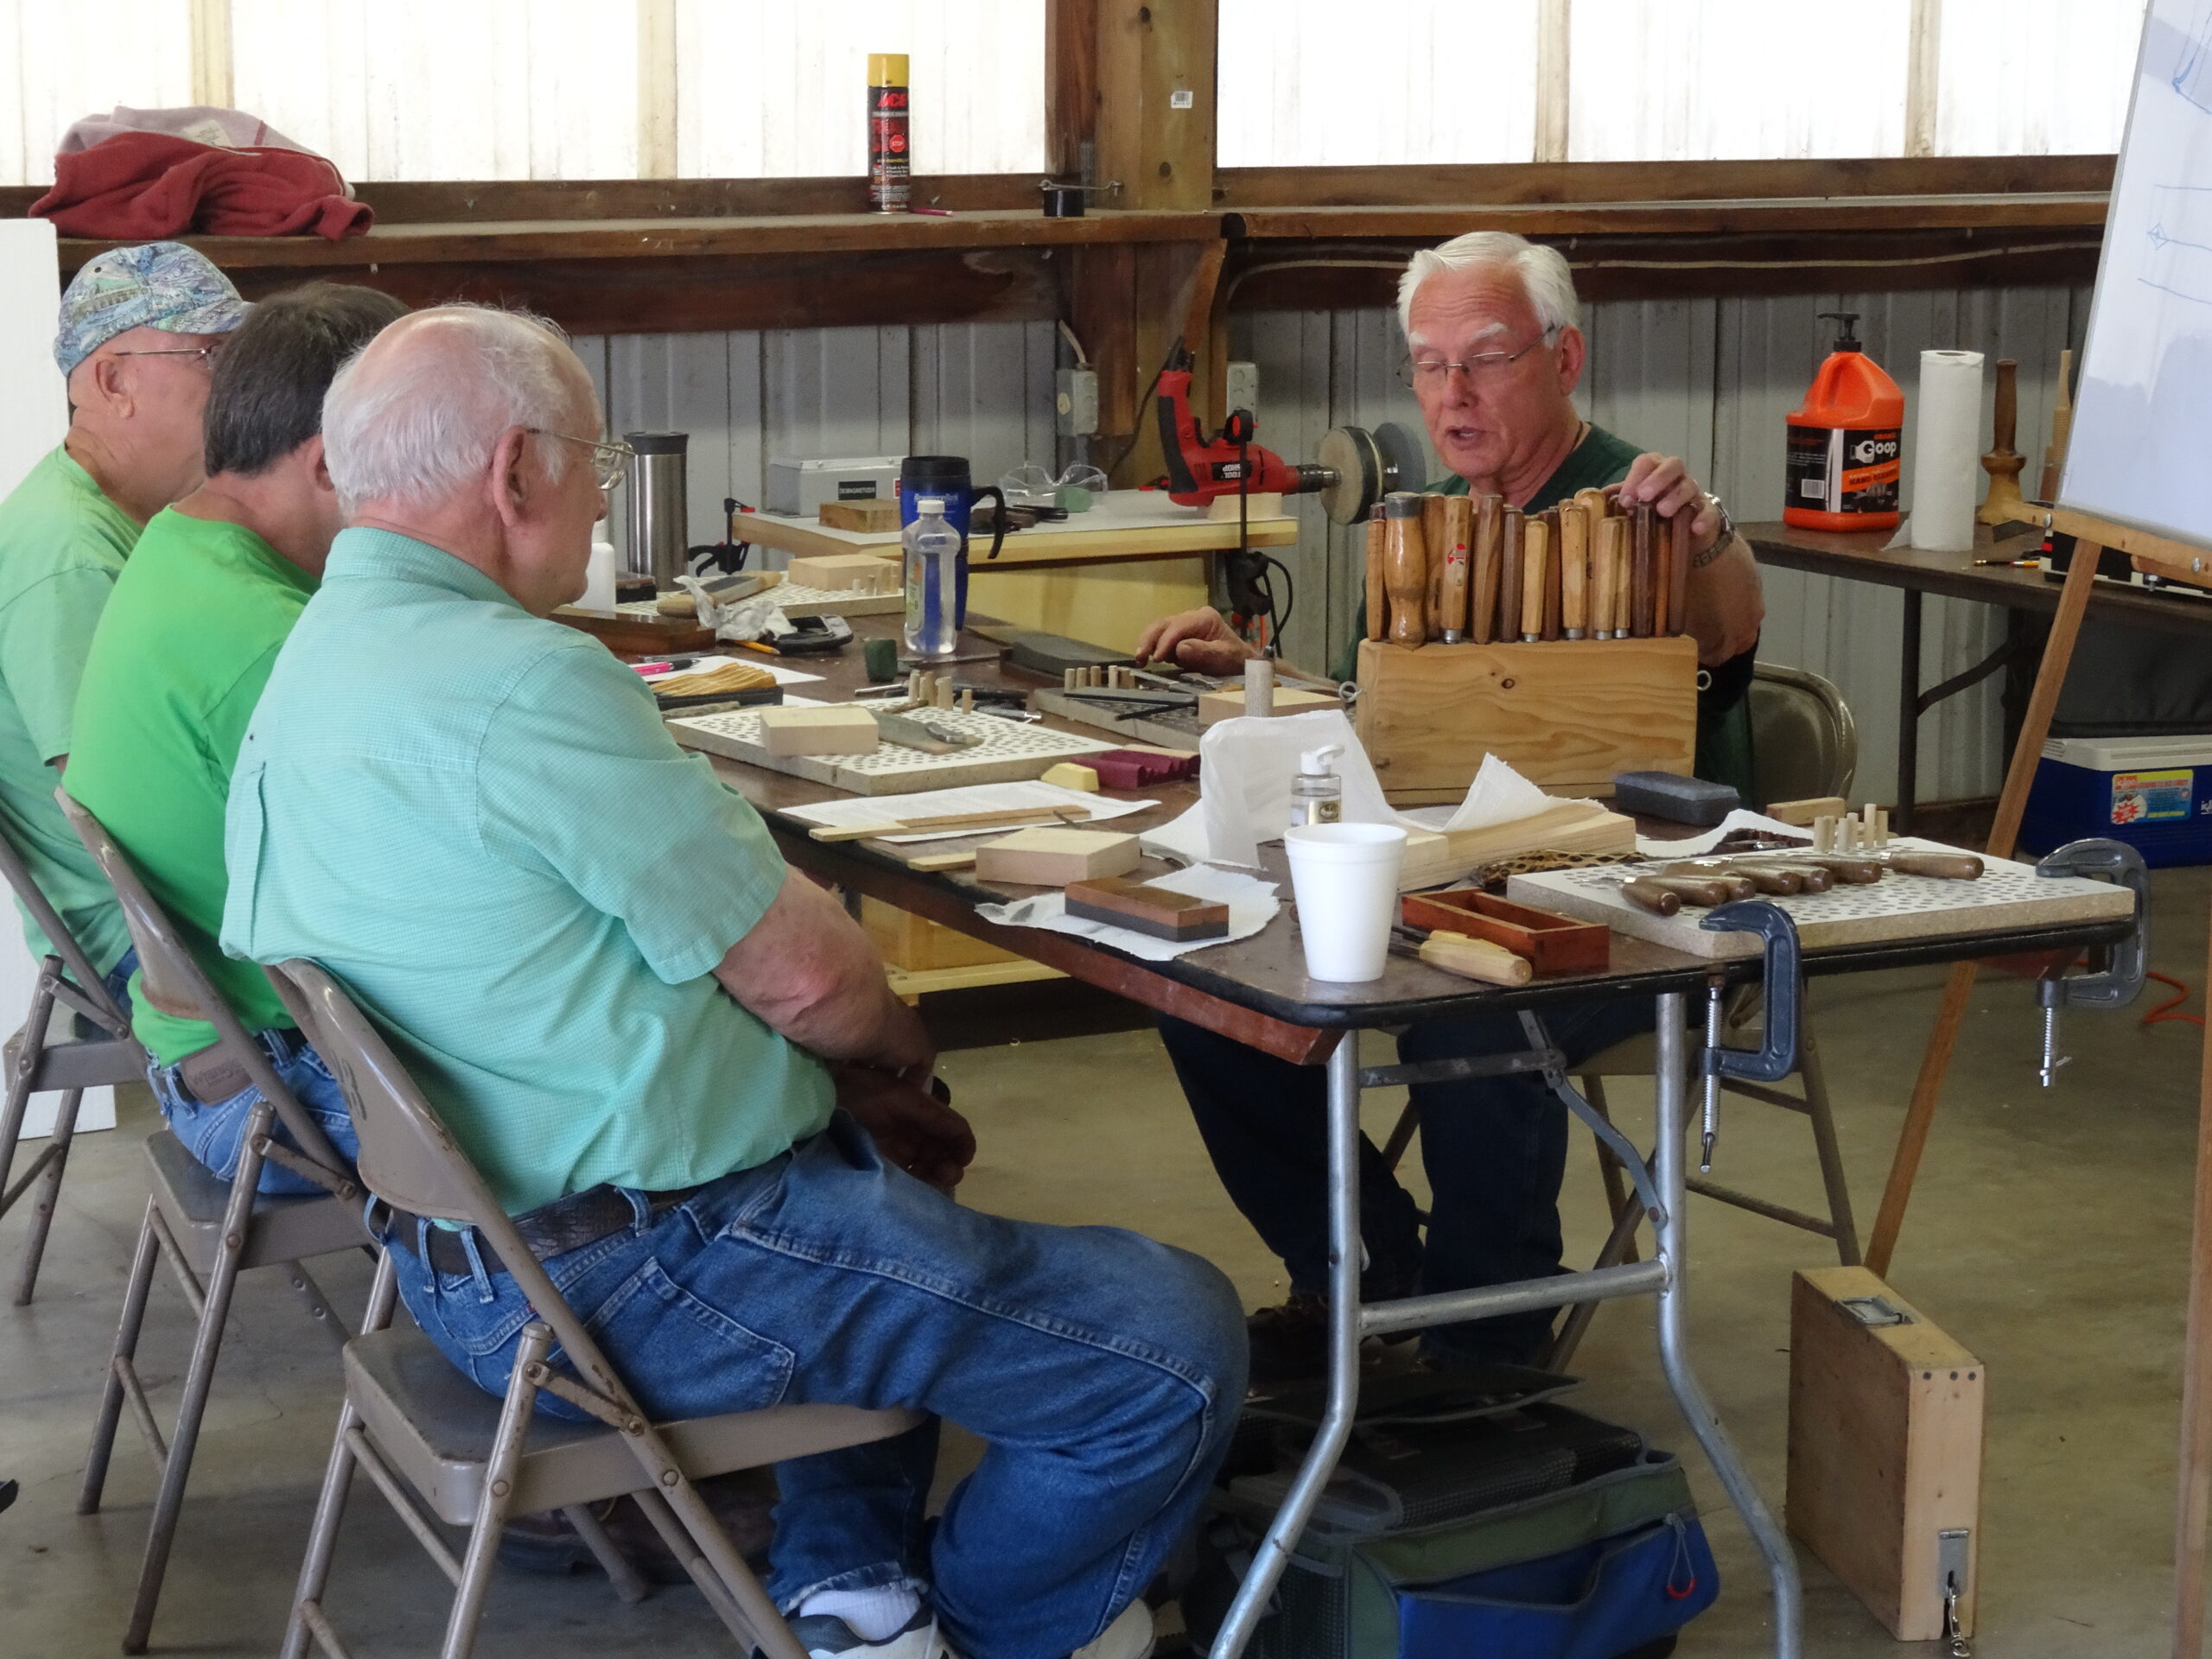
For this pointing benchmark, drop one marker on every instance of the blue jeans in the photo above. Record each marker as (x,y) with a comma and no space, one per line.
(1494,1150)
(1105,1371)
(214,1131)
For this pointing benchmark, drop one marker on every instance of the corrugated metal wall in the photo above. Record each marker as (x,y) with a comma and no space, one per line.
(1711,380)
(980,389)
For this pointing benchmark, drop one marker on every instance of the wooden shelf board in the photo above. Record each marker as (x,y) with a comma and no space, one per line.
(1742,215)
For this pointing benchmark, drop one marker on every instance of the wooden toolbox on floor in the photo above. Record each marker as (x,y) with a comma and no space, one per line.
(1884,1449)
(1566,713)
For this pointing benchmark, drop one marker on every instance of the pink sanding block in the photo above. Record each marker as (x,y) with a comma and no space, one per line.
(1140,768)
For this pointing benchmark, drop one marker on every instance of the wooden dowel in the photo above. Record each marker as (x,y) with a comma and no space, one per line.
(1458,541)
(1378,592)
(1490,548)
(1509,576)
(1535,575)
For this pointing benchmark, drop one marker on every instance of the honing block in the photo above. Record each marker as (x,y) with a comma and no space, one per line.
(1885,1429)
(1069,775)
(1229,705)
(1145,909)
(1052,858)
(874,515)
(840,728)
(1802,814)
(864,573)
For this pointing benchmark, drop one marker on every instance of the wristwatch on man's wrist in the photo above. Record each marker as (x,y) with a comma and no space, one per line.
(1719,541)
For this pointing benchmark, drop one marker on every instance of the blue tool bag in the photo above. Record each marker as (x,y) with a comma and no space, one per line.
(1463,1524)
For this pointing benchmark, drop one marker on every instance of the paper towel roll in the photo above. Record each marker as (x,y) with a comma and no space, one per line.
(599,578)
(1947,451)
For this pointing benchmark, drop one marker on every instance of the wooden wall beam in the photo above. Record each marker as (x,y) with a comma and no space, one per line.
(1923,63)
(1554,19)
(212,72)
(1071,88)
(657,85)
(1156,106)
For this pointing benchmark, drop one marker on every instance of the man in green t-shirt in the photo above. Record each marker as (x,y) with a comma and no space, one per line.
(139,327)
(1494,357)
(176,668)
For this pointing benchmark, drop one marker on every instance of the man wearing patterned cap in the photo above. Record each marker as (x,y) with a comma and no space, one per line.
(139,331)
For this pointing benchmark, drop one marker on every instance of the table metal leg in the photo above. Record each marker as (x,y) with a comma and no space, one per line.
(1908,714)
(1671,1231)
(1274,1554)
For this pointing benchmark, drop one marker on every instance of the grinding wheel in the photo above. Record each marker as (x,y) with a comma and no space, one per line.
(1349,452)
(1368,467)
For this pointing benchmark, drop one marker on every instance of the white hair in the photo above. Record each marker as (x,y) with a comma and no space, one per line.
(1544,273)
(414,424)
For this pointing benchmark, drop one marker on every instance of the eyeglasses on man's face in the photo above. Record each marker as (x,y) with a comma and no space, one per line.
(610,461)
(205,354)
(1429,373)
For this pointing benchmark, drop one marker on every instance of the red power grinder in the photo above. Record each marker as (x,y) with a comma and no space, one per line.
(1231,464)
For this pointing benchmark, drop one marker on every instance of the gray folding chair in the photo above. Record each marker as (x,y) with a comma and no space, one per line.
(209,1231)
(431,1440)
(39,1059)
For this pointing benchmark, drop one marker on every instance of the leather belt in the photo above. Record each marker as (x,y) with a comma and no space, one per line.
(551,1229)
(212,1075)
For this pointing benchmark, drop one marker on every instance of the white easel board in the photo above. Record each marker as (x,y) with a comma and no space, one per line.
(2143,413)
(33,416)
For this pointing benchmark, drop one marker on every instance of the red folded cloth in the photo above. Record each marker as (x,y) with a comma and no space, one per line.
(138,187)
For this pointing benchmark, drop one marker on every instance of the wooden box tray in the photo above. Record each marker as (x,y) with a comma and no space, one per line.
(1567,714)
(1554,943)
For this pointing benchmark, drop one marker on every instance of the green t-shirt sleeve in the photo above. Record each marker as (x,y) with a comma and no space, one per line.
(45,635)
(578,778)
(224,735)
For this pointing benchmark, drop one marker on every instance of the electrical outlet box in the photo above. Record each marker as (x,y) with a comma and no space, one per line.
(1075,403)
(1241,386)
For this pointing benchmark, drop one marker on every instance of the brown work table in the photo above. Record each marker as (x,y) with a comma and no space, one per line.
(1863,556)
(1256,991)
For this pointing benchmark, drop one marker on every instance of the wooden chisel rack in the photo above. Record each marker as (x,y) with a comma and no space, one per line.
(1556,640)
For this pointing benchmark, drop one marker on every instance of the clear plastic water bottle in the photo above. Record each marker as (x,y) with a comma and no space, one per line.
(932,566)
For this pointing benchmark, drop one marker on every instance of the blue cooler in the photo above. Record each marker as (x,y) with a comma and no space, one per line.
(2154,793)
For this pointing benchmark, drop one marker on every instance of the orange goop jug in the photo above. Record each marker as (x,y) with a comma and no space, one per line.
(1845,449)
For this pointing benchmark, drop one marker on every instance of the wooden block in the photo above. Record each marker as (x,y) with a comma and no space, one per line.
(840,728)
(874,515)
(1554,943)
(1145,909)
(1052,858)
(864,573)
(1566,714)
(1069,775)
(1228,705)
(1885,1431)
(1805,813)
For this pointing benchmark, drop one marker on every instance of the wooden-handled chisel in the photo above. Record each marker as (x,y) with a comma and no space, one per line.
(1663,576)
(1535,575)
(1573,571)
(1643,572)
(1776,880)
(1554,590)
(1651,896)
(1458,541)
(1405,569)
(1678,571)
(1470,958)
(1605,577)
(1378,592)
(1509,576)
(1490,545)
(1433,544)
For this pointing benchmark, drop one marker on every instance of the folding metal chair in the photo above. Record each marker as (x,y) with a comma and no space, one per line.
(208,1230)
(39,1058)
(432,1441)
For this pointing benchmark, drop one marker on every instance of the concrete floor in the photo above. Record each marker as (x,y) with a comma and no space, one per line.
(2049,1233)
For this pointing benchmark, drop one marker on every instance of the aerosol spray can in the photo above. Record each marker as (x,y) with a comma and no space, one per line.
(889,160)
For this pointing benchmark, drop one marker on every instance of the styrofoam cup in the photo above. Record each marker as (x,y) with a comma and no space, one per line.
(1345,877)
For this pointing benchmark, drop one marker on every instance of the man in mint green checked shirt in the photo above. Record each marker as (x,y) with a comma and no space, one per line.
(650,1034)
(139,330)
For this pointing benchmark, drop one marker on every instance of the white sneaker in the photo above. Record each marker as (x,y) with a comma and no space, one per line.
(824,1636)
(1129,1636)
